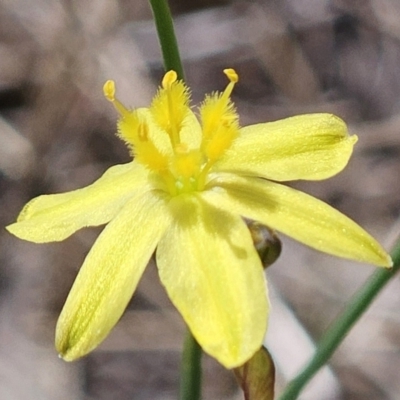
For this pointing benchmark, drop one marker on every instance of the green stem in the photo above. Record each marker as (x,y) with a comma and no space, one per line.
(166,36)
(190,369)
(341,326)
(190,388)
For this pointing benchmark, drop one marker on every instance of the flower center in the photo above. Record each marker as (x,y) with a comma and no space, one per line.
(169,140)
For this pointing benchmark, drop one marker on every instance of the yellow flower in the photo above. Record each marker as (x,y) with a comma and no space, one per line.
(184,194)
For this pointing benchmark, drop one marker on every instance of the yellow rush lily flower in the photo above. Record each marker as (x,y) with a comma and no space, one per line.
(184,194)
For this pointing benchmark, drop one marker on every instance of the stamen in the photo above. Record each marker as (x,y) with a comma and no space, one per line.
(109,94)
(169,79)
(219,118)
(143,132)
(233,78)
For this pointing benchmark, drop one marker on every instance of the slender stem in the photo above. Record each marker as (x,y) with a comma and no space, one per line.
(166,36)
(190,388)
(342,325)
(190,369)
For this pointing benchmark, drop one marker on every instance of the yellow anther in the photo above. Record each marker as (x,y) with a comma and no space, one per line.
(169,78)
(109,90)
(233,78)
(231,74)
(143,132)
(109,93)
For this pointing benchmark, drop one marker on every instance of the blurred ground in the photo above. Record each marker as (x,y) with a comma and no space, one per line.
(56,134)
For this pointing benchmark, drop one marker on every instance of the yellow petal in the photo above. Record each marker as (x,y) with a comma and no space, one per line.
(298,215)
(54,217)
(313,147)
(110,275)
(212,274)
(191,131)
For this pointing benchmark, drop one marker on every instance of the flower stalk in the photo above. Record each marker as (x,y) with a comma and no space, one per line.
(166,36)
(342,325)
(190,373)
(190,388)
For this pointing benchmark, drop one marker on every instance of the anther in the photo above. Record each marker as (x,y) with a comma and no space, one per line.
(231,74)
(143,132)
(109,90)
(109,94)
(233,79)
(169,78)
